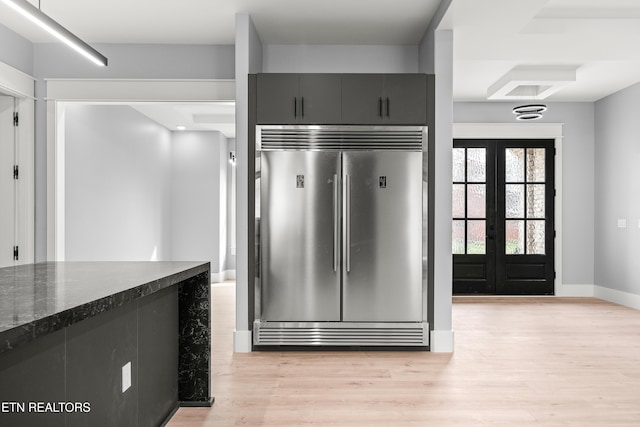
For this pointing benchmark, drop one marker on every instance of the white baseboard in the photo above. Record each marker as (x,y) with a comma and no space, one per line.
(242,341)
(222,276)
(574,290)
(619,297)
(441,341)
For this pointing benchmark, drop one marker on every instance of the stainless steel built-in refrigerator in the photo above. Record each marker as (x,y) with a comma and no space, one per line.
(341,236)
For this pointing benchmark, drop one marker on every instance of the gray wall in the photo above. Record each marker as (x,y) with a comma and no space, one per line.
(617,152)
(125,61)
(117,185)
(137,61)
(577,175)
(340,59)
(15,50)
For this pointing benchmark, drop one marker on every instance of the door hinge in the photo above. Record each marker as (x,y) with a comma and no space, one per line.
(16,119)
(16,253)
(16,172)
(554,275)
(555,234)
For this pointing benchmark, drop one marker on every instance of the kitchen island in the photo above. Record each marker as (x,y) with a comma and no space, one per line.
(103,343)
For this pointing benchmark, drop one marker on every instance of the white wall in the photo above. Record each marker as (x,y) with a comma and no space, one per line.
(577,176)
(137,192)
(198,202)
(617,189)
(130,61)
(117,188)
(426,54)
(230,263)
(340,59)
(249,60)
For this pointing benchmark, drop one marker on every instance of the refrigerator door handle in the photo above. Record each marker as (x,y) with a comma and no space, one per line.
(336,223)
(347,221)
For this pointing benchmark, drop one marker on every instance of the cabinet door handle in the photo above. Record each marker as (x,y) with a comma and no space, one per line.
(295,106)
(380,106)
(302,106)
(388,103)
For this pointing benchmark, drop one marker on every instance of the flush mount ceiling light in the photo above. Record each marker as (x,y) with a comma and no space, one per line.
(181,127)
(42,20)
(529,112)
(531,82)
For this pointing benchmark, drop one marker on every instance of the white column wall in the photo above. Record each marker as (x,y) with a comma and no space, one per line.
(442,333)
(248,60)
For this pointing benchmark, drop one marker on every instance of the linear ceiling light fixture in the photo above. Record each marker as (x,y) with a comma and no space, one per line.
(39,18)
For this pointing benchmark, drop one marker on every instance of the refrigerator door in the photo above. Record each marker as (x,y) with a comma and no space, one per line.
(300,226)
(382,211)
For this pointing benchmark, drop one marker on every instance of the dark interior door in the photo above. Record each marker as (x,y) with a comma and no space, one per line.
(503,217)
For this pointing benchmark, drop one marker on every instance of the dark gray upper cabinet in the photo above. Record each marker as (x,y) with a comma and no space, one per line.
(362,101)
(384,99)
(298,98)
(406,98)
(350,99)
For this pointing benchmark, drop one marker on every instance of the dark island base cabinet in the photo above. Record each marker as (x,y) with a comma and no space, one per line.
(298,98)
(165,336)
(350,99)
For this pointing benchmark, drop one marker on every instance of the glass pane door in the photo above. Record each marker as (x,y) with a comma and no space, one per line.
(472,207)
(503,211)
(525,219)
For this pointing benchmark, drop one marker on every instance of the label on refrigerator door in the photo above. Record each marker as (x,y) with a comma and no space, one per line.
(383,181)
(300,181)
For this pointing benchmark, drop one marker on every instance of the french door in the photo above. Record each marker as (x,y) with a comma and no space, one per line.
(503,217)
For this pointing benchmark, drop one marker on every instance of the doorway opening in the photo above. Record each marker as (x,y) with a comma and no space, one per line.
(503,227)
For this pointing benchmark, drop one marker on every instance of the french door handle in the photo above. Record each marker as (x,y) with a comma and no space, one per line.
(347,222)
(380,106)
(336,223)
(388,103)
(295,106)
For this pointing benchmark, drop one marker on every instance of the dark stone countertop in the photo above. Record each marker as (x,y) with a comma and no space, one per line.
(38,299)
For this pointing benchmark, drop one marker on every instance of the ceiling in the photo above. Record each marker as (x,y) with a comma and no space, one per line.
(198,116)
(213,21)
(585,49)
(598,39)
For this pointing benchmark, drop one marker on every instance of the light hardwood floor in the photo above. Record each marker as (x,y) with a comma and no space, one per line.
(517,362)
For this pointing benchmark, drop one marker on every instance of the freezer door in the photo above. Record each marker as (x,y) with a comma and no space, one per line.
(300,236)
(382,276)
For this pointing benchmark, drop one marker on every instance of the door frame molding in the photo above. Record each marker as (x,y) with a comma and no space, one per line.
(21,86)
(116,91)
(529,131)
